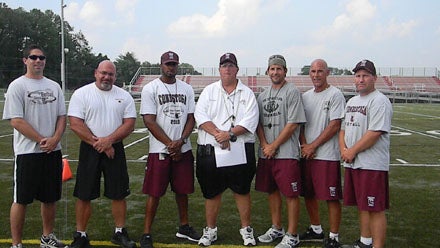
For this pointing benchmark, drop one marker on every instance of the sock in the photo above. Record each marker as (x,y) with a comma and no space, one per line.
(334,236)
(83,234)
(316,228)
(118,229)
(366,241)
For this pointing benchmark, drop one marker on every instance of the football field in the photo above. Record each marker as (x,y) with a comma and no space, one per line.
(413,217)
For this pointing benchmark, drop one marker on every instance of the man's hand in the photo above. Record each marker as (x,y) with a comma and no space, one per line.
(269,151)
(308,151)
(48,144)
(102,144)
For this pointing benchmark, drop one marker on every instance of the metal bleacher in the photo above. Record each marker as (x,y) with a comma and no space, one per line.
(398,88)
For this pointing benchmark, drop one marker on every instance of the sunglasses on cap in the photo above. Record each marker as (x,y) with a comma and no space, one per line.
(35,57)
(276,57)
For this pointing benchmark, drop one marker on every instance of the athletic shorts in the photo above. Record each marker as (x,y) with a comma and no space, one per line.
(38,176)
(366,189)
(90,167)
(161,170)
(214,181)
(279,174)
(321,179)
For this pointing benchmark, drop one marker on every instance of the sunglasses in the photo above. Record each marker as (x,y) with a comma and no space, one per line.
(35,57)
(276,57)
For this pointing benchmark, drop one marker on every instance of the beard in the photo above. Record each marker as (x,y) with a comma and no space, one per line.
(106,86)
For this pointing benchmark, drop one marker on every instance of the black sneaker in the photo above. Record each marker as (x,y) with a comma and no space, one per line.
(146,241)
(357,244)
(187,232)
(311,236)
(122,239)
(51,241)
(80,241)
(331,243)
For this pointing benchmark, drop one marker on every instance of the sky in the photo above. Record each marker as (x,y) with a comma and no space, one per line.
(391,33)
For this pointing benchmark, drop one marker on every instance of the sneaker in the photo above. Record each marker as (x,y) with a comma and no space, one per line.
(357,244)
(146,241)
(311,236)
(208,237)
(17,246)
(80,241)
(188,232)
(272,234)
(331,243)
(247,234)
(50,241)
(122,239)
(288,241)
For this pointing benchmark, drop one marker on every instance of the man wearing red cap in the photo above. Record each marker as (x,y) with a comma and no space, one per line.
(167,108)
(364,142)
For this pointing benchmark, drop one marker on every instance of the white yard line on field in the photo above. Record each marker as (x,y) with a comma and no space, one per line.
(409,113)
(417,132)
(137,141)
(401,161)
(6,135)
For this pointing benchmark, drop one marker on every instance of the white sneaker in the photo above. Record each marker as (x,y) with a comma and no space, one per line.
(17,246)
(247,234)
(208,237)
(288,241)
(272,234)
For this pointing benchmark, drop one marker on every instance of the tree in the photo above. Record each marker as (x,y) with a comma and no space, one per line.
(126,67)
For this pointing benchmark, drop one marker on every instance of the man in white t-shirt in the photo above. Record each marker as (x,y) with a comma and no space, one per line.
(101,114)
(167,108)
(364,142)
(35,108)
(324,105)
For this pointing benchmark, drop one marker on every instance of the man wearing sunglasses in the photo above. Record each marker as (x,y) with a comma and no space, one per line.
(34,105)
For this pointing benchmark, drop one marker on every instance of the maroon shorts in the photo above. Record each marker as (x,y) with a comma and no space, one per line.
(366,189)
(162,170)
(321,179)
(281,174)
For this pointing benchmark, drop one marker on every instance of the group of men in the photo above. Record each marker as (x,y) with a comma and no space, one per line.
(302,139)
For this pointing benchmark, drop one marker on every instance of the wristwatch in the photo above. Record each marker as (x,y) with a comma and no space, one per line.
(232,137)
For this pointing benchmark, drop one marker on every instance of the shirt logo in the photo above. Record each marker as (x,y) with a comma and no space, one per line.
(42,96)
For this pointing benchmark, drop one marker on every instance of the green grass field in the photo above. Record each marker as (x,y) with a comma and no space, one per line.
(412,219)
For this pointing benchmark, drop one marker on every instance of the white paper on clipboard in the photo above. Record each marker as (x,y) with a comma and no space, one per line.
(234,156)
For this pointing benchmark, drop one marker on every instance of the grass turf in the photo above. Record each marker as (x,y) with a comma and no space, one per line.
(412,218)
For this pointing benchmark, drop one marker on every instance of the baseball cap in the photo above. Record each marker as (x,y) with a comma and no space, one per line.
(365,65)
(169,57)
(277,60)
(228,57)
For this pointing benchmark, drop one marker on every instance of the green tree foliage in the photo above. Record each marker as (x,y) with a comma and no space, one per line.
(19,28)
(126,67)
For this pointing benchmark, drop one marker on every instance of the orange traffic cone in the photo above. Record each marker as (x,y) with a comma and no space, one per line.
(67,173)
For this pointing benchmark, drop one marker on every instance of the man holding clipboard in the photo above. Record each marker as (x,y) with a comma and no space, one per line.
(227,117)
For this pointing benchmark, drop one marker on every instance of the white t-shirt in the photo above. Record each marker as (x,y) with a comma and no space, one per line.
(216,105)
(39,102)
(171,103)
(321,108)
(371,112)
(277,108)
(102,111)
